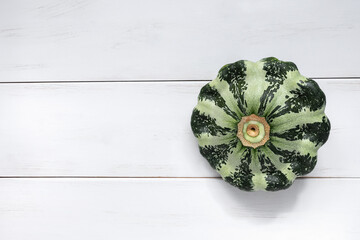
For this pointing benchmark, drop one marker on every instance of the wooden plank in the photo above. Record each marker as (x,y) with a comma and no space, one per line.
(181,208)
(46,40)
(137,129)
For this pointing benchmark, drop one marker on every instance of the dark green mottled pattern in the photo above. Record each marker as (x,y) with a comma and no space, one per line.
(201,123)
(276,72)
(209,93)
(234,74)
(275,179)
(307,95)
(300,164)
(317,132)
(217,154)
(242,177)
(288,146)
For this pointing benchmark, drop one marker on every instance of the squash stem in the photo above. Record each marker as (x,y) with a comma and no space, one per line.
(253,131)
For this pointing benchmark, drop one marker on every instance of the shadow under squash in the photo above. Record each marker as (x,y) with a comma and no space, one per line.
(258,206)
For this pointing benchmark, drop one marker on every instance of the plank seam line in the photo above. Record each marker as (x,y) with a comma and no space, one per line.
(142,81)
(153,177)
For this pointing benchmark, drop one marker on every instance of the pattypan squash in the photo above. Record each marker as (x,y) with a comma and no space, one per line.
(260,124)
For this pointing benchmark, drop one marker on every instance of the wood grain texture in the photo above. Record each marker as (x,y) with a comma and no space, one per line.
(46,40)
(137,130)
(181,208)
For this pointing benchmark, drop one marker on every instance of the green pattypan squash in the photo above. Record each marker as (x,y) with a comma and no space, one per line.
(260,124)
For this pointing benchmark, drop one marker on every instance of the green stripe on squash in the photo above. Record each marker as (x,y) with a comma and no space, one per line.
(291,104)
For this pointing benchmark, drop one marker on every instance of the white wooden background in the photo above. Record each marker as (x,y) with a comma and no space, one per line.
(95,105)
